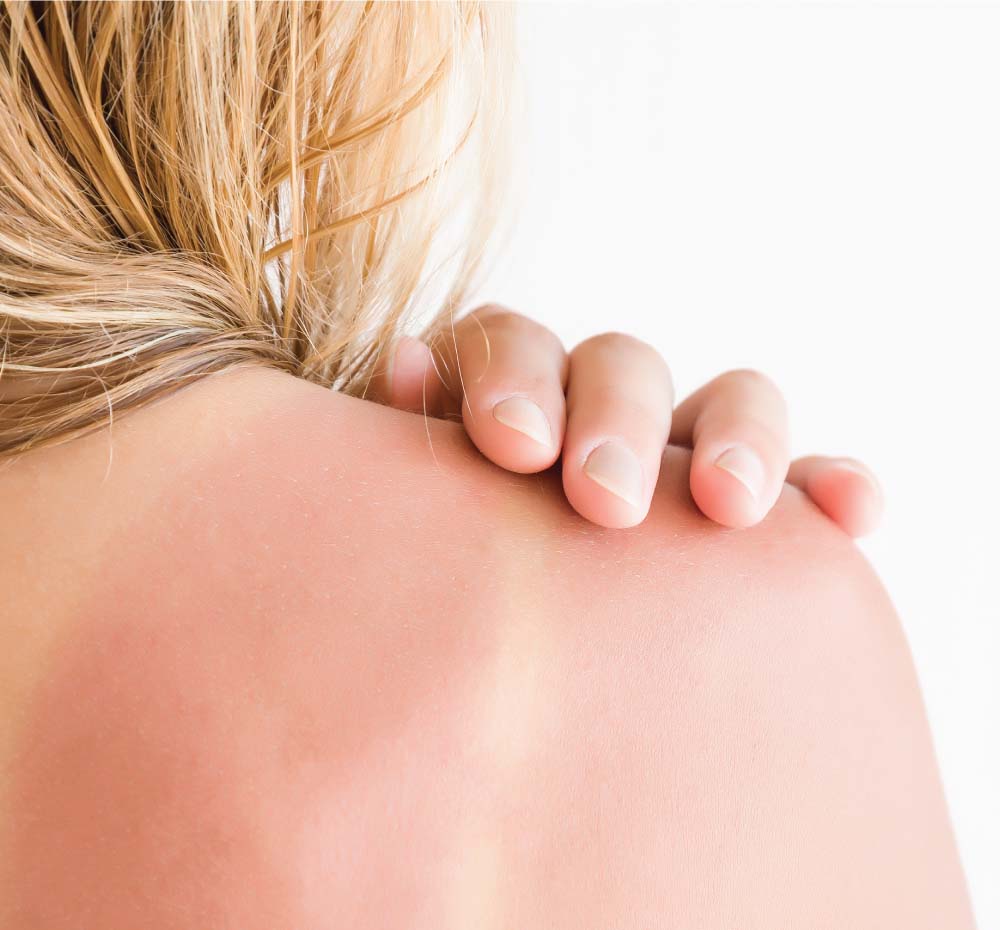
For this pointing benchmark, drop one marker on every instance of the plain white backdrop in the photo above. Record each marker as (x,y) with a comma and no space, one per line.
(814,191)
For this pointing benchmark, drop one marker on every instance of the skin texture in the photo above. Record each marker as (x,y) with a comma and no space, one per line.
(297,660)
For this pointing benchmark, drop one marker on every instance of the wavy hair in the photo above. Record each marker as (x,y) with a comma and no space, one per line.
(190,186)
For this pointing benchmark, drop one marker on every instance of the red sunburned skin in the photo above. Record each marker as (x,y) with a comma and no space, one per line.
(210,748)
(213,743)
(231,772)
(443,701)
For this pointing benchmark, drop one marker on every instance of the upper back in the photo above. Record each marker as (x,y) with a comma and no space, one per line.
(262,636)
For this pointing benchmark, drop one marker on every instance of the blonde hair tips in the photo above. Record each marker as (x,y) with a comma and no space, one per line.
(189,186)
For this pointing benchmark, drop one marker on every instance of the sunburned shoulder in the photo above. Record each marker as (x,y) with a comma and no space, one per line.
(317,469)
(259,485)
(255,493)
(336,657)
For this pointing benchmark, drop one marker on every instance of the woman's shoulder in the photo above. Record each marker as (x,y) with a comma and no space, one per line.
(254,467)
(332,502)
(293,641)
(252,501)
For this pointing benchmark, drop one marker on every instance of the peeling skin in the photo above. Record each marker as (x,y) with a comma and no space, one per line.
(285,668)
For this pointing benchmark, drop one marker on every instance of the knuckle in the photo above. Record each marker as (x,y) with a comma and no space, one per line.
(497,315)
(496,318)
(620,342)
(626,346)
(760,405)
(632,352)
(751,379)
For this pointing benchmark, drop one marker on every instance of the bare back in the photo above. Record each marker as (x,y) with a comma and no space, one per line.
(275,657)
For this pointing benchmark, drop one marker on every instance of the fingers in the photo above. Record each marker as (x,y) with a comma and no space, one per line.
(504,374)
(618,418)
(407,380)
(738,427)
(844,489)
(507,376)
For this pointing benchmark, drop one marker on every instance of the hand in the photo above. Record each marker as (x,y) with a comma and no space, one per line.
(608,408)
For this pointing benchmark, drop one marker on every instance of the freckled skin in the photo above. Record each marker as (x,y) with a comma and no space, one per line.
(284,667)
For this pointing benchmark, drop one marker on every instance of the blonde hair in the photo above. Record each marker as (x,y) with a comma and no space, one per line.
(186,187)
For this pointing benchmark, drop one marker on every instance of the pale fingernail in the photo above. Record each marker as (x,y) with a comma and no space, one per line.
(526,417)
(745,466)
(616,469)
(848,465)
(857,469)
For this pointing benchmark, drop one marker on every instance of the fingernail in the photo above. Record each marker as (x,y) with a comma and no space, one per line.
(526,417)
(857,469)
(847,465)
(616,469)
(745,466)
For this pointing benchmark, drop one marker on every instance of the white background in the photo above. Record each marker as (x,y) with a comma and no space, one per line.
(814,191)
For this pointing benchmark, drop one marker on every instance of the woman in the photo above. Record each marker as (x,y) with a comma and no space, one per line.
(276,656)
